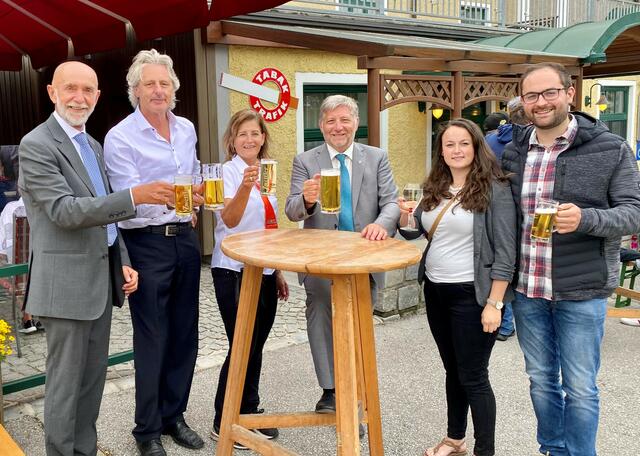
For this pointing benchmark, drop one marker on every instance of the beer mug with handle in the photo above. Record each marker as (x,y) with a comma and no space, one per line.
(330,190)
(544,219)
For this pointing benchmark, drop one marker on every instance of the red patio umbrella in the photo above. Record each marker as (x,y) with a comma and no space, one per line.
(50,31)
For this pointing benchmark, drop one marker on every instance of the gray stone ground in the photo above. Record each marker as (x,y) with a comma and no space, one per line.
(411,389)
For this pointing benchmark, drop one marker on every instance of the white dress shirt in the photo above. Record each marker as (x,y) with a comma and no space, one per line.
(348,161)
(136,154)
(253,217)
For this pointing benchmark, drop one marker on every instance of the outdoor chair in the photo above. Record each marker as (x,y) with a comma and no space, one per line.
(628,270)
(17,273)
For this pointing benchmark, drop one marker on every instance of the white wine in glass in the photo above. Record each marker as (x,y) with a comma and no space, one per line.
(412,193)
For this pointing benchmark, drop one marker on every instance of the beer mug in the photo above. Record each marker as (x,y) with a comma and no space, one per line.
(183,188)
(330,190)
(544,219)
(213,186)
(268,176)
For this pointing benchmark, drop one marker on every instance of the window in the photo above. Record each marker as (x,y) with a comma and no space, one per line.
(616,114)
(313,96)
(474,13)
(367,6)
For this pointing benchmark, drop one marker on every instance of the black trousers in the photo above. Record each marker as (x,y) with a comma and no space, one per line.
(454,318)
(164,313)
(227,287)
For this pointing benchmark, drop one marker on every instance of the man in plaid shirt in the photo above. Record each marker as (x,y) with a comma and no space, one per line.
(563,284)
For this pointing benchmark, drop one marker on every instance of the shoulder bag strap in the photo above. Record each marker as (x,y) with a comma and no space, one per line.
(437,220)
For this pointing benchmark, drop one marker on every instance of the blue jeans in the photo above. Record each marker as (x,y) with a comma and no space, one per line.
(561,345)
(506,326)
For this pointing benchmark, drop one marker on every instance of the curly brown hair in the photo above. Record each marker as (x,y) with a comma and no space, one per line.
(475,195)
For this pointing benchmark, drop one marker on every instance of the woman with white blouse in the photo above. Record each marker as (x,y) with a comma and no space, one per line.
(469,215)
(246,141)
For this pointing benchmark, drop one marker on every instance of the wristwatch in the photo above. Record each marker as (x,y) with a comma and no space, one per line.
(497,304)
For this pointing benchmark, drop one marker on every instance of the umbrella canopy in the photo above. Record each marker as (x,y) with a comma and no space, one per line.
(50,31)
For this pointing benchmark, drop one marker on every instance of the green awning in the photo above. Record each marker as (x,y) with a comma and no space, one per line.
(588,41)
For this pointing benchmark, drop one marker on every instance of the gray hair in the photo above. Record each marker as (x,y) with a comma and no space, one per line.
(516,112)
(134,75)
(335,101)
(514,103)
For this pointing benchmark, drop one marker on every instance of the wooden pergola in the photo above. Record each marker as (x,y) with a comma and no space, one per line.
(460,73)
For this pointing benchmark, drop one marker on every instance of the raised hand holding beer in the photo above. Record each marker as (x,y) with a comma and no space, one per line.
(568,218)
(311,190)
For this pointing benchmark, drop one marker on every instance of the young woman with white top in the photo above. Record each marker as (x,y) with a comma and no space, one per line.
(246,141)
(466,268)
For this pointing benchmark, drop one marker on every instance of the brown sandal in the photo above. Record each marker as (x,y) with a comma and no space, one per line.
(457,449)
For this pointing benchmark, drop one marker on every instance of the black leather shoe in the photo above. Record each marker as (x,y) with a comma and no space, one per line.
(327,403)
(184,436)
(151,448)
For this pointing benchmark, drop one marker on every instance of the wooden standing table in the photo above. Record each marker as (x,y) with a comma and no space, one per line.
(347,259)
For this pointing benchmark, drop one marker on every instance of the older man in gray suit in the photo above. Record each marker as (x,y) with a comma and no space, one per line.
(368,205)
(78,268)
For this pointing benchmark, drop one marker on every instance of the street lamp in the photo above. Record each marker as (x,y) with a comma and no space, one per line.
(602,103)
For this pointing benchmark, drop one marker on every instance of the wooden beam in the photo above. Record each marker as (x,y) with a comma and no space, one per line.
(401,63)
(458,94)
(374,100)
(578,98)
(326,42)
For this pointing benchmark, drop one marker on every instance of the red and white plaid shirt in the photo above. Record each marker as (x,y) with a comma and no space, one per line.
(534,279)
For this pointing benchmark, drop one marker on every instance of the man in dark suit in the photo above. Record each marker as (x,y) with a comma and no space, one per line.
(368,205)
(78,267)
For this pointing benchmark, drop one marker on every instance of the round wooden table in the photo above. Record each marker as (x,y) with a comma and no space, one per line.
(347,260)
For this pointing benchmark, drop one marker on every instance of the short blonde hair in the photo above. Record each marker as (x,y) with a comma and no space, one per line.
(234,125)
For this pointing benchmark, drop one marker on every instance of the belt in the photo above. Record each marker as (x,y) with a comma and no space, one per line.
(170,229)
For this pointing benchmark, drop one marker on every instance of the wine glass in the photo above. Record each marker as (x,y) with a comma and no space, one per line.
(411,193)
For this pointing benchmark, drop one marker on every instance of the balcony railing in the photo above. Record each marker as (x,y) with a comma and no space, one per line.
(523,14)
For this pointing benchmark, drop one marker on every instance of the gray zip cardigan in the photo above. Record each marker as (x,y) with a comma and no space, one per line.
(494,243)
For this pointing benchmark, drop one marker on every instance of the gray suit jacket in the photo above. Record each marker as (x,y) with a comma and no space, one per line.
(373,190)
(69,266)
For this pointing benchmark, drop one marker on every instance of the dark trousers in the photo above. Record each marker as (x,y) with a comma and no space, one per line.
(164,313)
(454,318)
(227,287)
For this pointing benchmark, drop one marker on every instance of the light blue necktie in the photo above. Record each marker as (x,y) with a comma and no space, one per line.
(345,219)
(91,165)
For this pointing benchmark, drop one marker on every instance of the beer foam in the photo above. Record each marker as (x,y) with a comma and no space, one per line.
(547,210)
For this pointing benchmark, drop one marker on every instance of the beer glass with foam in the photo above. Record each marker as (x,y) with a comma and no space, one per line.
(330,190)
(544,219)
(213,186)
(183,188)
(268,176)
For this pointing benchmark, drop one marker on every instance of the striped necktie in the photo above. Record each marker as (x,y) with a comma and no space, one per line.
(345,219)
(91,165)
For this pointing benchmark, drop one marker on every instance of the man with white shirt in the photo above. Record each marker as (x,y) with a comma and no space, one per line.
(150,144)
(78,265)
(368,205)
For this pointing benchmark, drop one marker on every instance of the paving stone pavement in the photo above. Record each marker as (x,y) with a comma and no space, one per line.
(289,327)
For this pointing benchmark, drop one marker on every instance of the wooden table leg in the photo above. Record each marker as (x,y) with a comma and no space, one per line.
(368,344)
(245,320)
(345,367)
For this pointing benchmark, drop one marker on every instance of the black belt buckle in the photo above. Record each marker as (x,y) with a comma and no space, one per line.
(170,230)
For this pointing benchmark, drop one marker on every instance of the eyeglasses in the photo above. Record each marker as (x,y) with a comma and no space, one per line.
(548,95)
